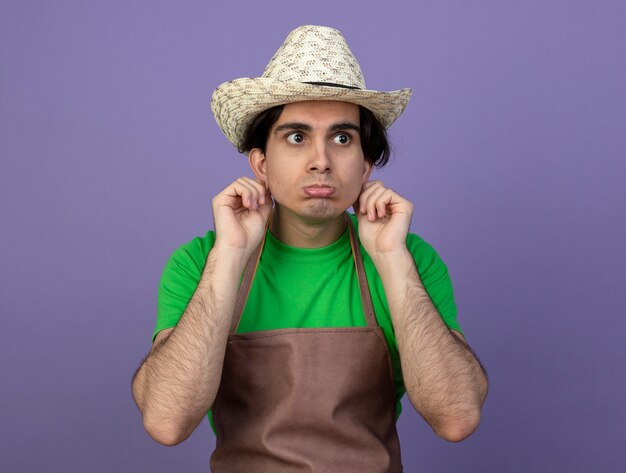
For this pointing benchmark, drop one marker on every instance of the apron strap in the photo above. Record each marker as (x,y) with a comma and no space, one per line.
(246,282)
(253,263)
(366,298)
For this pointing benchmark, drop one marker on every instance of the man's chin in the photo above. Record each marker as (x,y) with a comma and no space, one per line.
(318,211)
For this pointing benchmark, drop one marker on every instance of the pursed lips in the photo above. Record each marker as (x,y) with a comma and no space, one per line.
(323,191)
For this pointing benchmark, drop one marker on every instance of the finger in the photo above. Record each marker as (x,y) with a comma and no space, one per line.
(261,187)
(244,192)
(267,197)
(251,192)
(382,201)
(376,204)
(266,209)
(263,203)
(366,191)
(372,183)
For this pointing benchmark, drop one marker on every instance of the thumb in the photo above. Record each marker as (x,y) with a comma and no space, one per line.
(266,209)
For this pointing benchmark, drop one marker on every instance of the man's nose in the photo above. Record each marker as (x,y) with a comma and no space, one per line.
(320,158)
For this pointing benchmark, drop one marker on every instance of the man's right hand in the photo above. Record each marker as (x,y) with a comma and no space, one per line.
(240,214)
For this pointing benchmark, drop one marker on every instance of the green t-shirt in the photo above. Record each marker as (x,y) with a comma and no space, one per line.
(298,287)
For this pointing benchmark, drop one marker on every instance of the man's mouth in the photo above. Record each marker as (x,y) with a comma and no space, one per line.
(320,191)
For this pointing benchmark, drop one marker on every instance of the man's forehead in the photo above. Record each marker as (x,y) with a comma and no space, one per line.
(319,113)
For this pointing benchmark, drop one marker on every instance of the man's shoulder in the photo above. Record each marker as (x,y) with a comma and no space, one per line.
(194,252)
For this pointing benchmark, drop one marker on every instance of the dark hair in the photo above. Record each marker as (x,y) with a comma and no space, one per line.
(373,134)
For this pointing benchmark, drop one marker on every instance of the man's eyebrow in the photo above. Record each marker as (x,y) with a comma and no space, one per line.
(292,126)
(305,127)
(345,126)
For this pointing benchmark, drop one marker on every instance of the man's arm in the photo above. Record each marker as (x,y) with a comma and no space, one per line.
(178,381)
(444,380)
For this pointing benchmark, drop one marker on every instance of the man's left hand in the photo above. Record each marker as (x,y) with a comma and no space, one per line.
(384,219)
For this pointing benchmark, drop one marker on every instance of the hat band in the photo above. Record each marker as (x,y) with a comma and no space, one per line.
(331,84)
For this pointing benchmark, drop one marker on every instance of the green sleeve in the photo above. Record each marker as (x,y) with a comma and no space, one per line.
(434,275)
(179,280)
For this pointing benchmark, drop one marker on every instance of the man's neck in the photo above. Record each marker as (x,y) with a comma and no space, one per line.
(305,233)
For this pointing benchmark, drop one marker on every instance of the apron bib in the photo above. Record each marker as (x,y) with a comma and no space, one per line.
(306,400)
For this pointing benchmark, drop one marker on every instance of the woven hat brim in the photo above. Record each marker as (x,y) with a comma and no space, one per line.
(237,102)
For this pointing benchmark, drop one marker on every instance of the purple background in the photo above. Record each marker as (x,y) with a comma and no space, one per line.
(513,150)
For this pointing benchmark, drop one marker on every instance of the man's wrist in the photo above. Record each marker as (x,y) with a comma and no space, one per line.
(393,263)
(228,259)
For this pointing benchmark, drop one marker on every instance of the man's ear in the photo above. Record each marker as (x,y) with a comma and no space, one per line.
(367,170)
(256,159)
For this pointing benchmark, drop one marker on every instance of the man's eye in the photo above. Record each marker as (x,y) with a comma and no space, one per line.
(295,138)
(342,139)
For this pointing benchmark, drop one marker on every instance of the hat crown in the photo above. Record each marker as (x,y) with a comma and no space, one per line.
(316,54)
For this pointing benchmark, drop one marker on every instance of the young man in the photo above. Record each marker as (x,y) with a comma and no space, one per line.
(297,325)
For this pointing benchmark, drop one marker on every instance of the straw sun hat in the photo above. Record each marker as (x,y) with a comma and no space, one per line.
(314,63)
